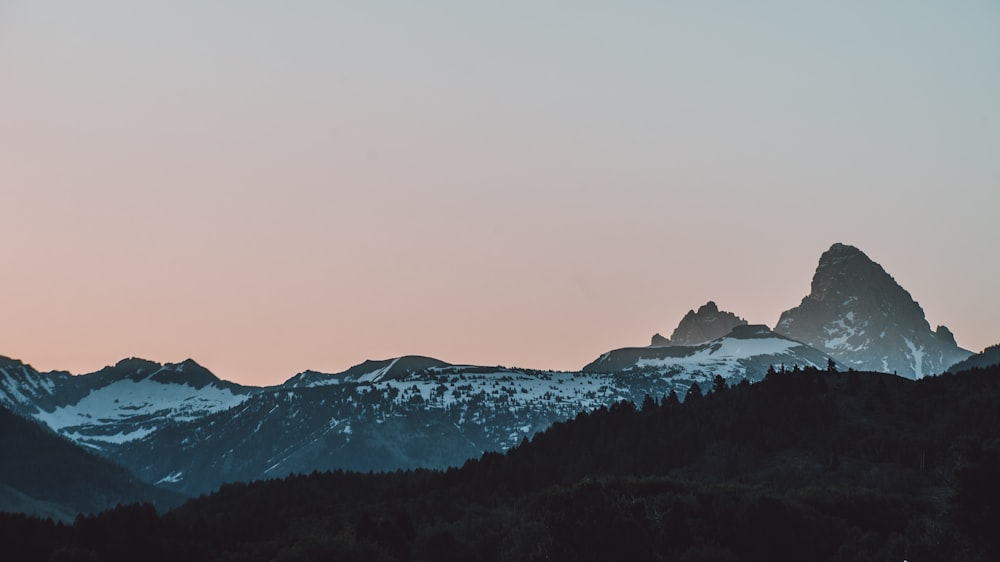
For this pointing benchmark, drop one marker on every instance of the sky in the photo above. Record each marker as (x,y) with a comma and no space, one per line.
(270,187)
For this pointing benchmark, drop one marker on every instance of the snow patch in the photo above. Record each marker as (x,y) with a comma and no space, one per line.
(127,401)
(172,478)
(918,357)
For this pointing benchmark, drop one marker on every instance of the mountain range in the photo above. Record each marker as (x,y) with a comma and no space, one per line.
(182,428)
(806,465)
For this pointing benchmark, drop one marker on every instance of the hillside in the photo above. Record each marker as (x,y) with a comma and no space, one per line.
(44,474)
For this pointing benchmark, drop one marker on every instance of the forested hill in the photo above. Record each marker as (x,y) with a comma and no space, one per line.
(804,465)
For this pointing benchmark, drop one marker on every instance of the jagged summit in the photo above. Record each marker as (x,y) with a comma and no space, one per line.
(705,325)
(862,317)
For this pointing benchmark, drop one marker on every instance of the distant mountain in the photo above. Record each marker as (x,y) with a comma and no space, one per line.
(44,474)
(857,313)
(119,403)
(380,415)
(703,326)
(746,352)
(180,427)
(987,358)
(803,466)
(24,390)
(369,371)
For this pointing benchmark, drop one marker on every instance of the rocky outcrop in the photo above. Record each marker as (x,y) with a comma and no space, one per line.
(659,341)
(705,325)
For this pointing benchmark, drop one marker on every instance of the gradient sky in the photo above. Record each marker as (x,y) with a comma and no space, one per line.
(270,187)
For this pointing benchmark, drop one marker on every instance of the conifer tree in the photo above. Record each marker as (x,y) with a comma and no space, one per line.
(693,392)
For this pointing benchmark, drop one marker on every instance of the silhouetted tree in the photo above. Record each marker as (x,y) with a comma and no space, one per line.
(718,384)
(693,393)
(648,404)
(771,373)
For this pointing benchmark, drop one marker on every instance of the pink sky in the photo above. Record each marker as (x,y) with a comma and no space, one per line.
(268,191)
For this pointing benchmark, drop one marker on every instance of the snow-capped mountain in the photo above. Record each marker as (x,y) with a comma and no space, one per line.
(24,390)
(438,416)
(178,426)
(857,313)
(413,411)
(744,353)
(120,403)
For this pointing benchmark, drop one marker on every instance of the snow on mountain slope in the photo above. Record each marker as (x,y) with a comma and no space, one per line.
(22,387)
(436,417)
(127,409)
(120,403)
(746,352)
(406,413)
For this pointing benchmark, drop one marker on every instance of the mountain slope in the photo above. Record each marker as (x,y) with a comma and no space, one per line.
(987,358)
(746,352)
(436,417)
(857,313)
(15,501)
(24,390)
(179,427)
(37,466)
(119,403)
(418,412)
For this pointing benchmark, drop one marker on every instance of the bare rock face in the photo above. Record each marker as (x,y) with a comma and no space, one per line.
(857,313)
(659,341)
(705,325)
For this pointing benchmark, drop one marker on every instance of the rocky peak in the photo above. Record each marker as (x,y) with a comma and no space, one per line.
(845,274)
(861,316)
(705,325)
(945,335)
(659,341)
